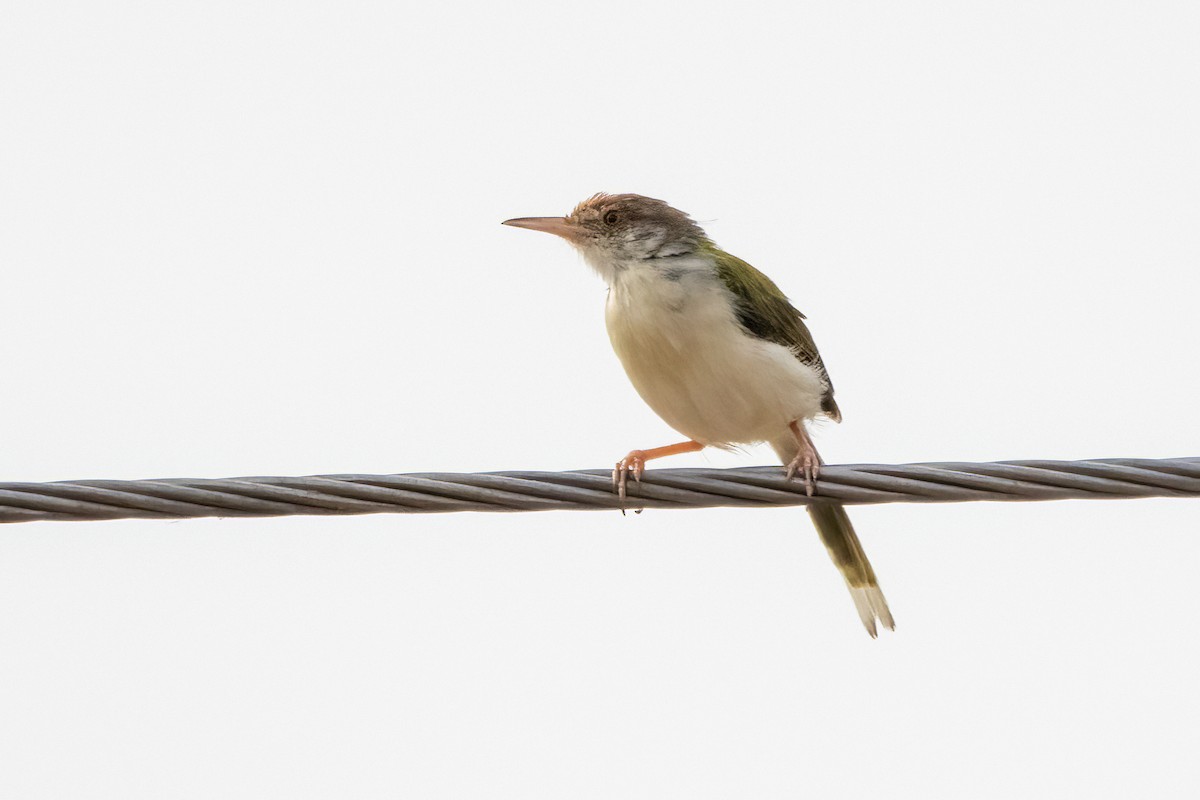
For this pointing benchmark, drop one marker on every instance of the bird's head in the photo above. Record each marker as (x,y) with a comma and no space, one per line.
(615,231)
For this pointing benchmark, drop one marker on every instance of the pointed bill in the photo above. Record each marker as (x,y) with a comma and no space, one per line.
(559,226)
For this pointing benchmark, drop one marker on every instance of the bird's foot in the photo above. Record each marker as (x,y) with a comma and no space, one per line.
(808,463)
(633,464)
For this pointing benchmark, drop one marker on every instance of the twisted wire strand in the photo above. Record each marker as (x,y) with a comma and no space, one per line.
(418,493)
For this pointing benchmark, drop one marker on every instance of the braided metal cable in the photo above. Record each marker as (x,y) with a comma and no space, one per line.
(178,498)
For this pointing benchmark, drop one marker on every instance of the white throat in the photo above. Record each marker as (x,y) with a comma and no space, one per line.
(642,256)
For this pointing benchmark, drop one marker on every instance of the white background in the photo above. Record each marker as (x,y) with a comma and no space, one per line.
(247,239)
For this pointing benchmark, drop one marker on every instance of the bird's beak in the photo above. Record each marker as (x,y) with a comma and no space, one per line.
(559,226)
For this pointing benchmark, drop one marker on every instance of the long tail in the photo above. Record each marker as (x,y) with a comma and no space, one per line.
(833,524)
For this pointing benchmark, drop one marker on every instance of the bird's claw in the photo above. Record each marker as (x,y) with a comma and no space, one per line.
(633,464)
(806,462)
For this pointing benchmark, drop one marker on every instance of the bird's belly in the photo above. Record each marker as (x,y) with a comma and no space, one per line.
(706,377)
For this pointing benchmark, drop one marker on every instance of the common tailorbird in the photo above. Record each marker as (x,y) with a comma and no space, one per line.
(715,349)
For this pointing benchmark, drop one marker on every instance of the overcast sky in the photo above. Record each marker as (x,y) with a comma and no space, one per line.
(241,239)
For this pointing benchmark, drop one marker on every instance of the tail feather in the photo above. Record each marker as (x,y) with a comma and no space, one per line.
(833,524)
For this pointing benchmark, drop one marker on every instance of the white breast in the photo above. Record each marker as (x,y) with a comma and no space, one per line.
(678,338)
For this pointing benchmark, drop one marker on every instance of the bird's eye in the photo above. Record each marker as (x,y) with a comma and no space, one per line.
(611,218)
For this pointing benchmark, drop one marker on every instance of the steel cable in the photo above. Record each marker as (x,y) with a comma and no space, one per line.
(415,493)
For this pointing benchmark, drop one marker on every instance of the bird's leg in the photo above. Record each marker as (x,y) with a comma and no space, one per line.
(806,459)
(635,462)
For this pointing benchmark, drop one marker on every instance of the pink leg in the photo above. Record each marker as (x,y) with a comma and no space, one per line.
(635,462)
(806,459)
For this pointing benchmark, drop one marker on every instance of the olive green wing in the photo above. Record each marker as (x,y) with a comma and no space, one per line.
(764,311)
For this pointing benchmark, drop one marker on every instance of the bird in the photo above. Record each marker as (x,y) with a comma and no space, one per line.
(717,351)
